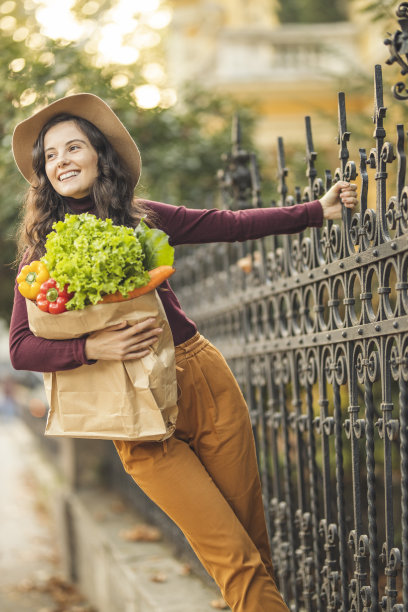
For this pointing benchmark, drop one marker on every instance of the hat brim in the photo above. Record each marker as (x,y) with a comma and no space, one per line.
(85,105)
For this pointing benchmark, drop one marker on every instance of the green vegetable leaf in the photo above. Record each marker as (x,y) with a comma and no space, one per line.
(155,244)
(94,257)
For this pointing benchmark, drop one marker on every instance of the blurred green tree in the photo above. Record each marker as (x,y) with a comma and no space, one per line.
(312,11)
(378,10)
(181,145)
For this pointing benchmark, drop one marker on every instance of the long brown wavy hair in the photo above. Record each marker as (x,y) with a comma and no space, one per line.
(112,192)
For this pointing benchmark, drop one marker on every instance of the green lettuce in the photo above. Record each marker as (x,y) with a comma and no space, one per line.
(155,245)
(94,257)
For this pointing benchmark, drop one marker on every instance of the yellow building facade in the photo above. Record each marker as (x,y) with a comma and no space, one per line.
(286,70)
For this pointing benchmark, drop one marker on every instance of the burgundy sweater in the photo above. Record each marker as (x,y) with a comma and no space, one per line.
(184,226)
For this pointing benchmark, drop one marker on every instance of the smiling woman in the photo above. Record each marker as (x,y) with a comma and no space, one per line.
(205,475)
(71,162)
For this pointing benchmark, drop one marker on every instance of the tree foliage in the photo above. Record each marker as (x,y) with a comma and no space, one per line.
(380,10)
(181,146)
(312,11)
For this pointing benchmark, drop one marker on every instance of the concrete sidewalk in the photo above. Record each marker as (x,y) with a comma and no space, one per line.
(30,577)
(120,563)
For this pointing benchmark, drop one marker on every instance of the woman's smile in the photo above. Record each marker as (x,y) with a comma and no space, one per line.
(71,162)
(67,175)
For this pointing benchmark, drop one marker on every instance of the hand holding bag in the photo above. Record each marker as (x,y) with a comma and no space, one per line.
(134,399)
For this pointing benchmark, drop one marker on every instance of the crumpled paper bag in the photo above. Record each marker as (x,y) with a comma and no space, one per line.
(134,399)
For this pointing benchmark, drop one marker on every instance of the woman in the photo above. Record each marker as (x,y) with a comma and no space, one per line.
(78,157)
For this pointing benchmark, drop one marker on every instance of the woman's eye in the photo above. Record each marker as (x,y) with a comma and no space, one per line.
(73,147)
(49,156)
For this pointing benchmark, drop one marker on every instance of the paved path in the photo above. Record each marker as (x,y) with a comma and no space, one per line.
(29,566)
(30,577)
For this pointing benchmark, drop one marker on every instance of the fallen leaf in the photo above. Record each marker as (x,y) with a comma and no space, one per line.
(185,570)
(62,591)
(159,577)
(141,533)
(219,604)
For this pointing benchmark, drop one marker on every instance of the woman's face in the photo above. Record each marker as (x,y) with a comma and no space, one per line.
(71,162)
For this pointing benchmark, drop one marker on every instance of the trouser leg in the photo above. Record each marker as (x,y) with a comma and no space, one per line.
(223,440)
(206,479)
(175,479)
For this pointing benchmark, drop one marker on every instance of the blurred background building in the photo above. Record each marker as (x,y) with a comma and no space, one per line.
(286,58)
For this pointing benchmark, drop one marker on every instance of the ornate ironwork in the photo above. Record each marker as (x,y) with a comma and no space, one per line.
(398,48)
(315,328)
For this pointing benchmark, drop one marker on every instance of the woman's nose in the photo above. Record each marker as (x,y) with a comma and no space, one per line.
(62,160)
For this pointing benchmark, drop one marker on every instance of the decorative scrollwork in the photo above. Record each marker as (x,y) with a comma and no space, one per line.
(398,48)
(370,224)
(350,173)
(319,346)
(387,153)
(307,253)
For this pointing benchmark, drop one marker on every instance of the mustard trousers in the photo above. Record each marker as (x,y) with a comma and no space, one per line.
(205,477)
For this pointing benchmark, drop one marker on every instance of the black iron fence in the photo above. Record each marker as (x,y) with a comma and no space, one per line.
(315,328)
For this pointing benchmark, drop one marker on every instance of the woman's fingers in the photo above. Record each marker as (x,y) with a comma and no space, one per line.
(137,343)
(348,195)
(123,341)
(138,338)
(142,325)
(133,334)
(138,351)
(151,335)
(349,202)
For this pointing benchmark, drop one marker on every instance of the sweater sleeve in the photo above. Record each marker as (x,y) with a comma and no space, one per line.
(192,226)
(28,352)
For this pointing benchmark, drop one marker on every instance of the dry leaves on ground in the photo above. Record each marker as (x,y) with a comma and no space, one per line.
(219,604)
(185,570)
(141,533)
(159,577)
(65,595)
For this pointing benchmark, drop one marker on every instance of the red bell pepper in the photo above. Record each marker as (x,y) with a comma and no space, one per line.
(52,299)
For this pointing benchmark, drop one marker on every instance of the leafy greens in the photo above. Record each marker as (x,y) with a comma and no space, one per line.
(155,245)
(94,257)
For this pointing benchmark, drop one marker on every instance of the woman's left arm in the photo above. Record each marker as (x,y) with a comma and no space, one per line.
(192,226)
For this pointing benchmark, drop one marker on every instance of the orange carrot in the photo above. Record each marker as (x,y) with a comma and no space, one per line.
(157,277)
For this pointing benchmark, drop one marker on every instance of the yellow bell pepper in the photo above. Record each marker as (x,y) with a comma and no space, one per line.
(31,278)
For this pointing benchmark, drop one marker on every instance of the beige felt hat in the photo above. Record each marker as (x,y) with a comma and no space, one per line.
(85,105)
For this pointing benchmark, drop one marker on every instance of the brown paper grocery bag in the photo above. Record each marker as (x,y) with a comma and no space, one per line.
(116,400)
